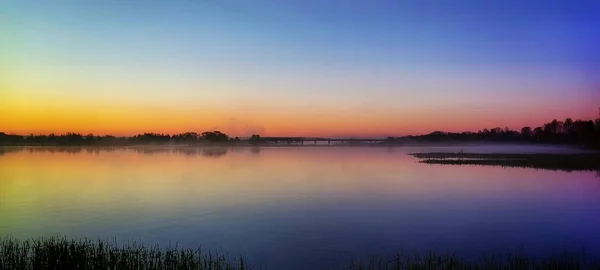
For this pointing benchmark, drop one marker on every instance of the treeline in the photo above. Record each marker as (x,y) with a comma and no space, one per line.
(91,139)
(555,132)
(584,132)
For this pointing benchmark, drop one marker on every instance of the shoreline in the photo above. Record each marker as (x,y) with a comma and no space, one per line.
(548,161)
(449,144)
(60,252)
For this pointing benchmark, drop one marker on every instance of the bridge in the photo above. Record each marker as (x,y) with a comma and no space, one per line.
(316,140)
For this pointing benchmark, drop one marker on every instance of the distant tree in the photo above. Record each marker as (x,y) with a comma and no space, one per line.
(590,127)
(597,133)
(592,133)
(187,137)
(526,132)
(568,126)
(255,138)
(495,132)
(567,132)
(551,128)
(152,137)
(214,136)
(538,133)
(560,128)
(554,128)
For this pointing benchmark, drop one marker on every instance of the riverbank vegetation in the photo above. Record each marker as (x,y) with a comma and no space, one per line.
(76,139)
(62,253)
(578,132)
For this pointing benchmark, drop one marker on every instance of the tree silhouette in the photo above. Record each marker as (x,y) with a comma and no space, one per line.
(214,136)
(568,126)
(255,138)
(538,133)
(186,137)
(526,132)
(582,132)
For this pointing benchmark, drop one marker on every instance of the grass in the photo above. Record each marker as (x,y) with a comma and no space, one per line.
(61,253)
(434,261)
(564,162)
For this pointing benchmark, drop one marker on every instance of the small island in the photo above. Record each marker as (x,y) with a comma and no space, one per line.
(563,162)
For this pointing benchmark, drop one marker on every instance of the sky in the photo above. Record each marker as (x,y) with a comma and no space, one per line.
(296,68)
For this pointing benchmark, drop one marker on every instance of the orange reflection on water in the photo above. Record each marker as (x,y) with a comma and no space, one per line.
(58,184)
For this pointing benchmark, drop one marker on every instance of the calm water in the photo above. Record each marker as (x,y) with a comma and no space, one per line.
(298,207)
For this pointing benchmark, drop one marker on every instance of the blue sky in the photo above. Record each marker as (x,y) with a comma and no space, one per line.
(392,59)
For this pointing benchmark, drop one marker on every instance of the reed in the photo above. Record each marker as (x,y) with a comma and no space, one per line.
(62,253)
(435,261)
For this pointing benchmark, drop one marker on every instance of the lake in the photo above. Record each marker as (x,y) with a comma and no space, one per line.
(299,207)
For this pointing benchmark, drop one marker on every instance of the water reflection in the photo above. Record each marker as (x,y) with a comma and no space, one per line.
(210,152)
(214,152)
(150,150)
(65,149)
(10,149)
(296,206)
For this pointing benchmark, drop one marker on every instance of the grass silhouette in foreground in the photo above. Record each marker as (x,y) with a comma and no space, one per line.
(61,253)
(564,162)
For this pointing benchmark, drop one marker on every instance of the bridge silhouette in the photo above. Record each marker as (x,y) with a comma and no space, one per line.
(316,140)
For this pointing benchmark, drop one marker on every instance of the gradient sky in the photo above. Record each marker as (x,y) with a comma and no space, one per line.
(340,68)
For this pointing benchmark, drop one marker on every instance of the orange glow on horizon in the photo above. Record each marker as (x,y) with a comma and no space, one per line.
(128,122)
(45,114)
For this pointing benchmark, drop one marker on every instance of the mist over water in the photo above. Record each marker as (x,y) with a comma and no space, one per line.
(299,207)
